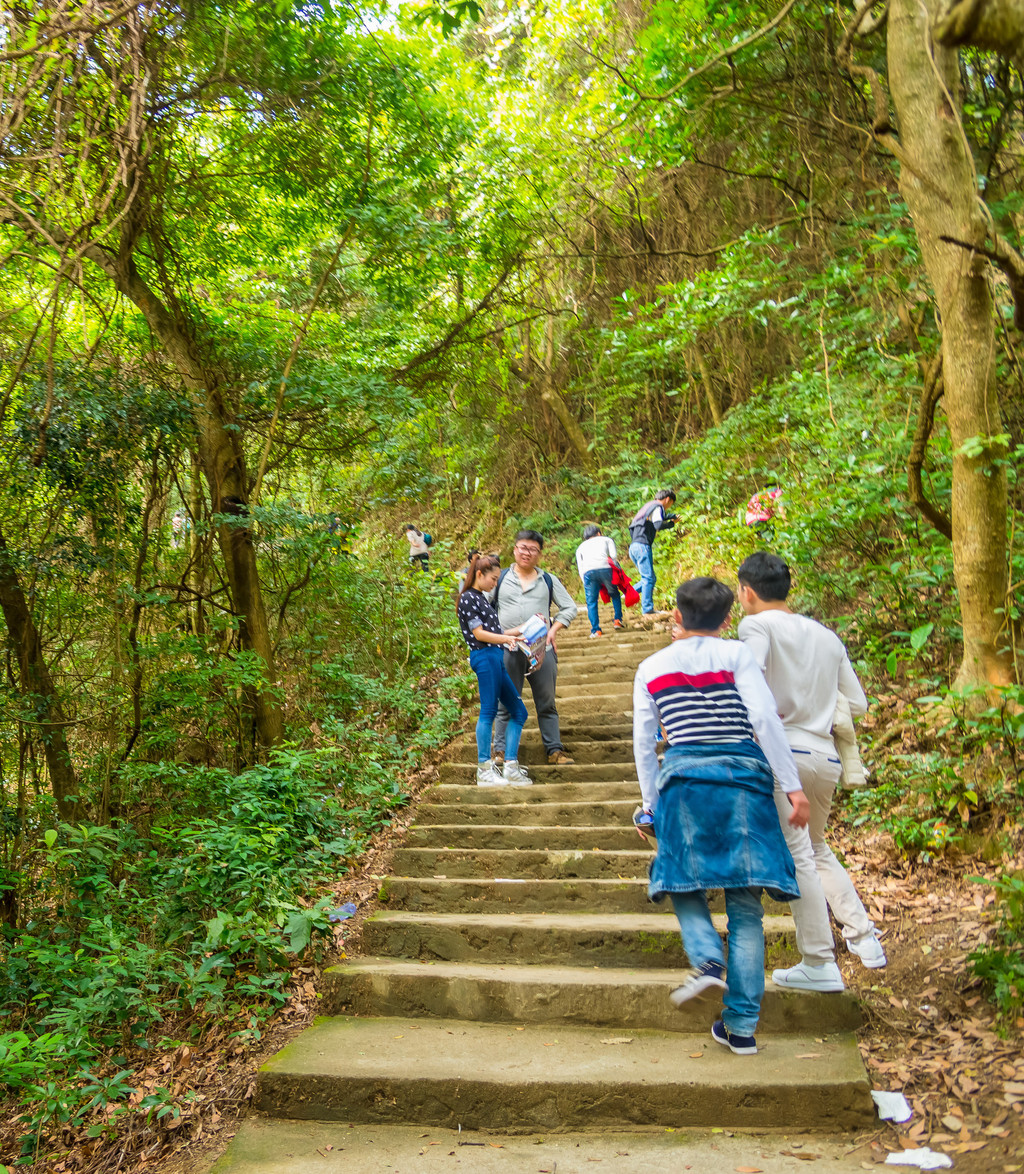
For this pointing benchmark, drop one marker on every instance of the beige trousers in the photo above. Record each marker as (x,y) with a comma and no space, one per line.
(830,886)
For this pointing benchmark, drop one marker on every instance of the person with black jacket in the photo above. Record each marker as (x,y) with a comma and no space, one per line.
(647,523)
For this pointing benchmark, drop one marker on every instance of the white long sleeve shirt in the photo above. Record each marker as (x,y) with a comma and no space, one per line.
(806,667)
(593,555)
(704,689)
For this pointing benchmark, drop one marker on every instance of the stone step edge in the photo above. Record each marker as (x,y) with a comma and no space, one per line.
(557,1077)
(618,998)
(526,974)
(614,922)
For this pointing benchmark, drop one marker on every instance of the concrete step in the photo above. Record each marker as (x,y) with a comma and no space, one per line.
(590,659)
(526,895)
(611,673)
(632,642)
(272,1146)
(625,999)
(587,773)
(583,750)
(610,813)
(594,725)
(582,839)
(537,793)
(541,863)
(570,690)
(558,1078)
(637,940)
(618,706)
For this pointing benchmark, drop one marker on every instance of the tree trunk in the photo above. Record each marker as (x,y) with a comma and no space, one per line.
(937,180)
(223,464)
(714,399)
(37,688)
(551,396)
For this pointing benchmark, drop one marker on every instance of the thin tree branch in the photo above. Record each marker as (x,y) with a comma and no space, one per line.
(931,393)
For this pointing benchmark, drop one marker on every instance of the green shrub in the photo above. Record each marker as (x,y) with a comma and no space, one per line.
(1001,964)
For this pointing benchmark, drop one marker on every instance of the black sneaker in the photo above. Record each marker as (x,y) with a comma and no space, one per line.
(709,977)
(741,1045)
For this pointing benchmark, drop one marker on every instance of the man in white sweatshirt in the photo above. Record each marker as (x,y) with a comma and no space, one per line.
(807,667)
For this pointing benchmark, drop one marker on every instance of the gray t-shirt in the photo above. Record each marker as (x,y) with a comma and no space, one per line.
(806,667)
(517,603)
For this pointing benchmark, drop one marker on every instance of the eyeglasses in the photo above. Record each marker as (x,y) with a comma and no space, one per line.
(527,549)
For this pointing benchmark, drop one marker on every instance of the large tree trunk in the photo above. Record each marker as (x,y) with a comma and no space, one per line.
(937,180)
(37,687)
(224,467)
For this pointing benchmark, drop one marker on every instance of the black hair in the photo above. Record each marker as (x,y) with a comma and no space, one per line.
(529,536)
(665,495)
(704,603)
(410,526)
(472,551)
(766,575)
(478,563)
(591,531)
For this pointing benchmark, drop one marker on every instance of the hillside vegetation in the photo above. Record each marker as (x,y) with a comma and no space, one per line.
(279,278)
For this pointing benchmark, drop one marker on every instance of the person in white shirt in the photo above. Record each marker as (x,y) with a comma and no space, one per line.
(419,551)
(592,557)
(807,668)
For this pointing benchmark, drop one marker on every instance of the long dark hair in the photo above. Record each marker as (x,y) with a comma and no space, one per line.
(479,562)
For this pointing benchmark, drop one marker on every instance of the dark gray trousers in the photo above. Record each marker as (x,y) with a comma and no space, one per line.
(542,686)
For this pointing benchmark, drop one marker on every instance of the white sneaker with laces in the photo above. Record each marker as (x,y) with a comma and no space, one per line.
(868,949)
(805,977)
(487,776)
(515,775)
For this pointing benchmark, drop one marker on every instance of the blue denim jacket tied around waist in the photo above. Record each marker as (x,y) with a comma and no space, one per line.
(717,823)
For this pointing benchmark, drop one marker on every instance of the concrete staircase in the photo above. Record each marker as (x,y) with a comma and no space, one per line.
(517,979)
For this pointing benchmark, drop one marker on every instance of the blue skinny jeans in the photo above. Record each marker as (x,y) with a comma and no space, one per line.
(643,557)
(593,581)
(745,977)
(496,685)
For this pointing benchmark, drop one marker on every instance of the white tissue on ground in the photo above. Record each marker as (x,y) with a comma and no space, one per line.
(892,1106)
(923,1159)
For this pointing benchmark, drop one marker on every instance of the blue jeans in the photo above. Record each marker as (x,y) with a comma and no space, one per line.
(496,685)
(593,581)
(746,950)
(643,557)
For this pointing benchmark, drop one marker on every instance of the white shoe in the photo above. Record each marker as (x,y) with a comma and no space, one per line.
(487,776)
(805,977)
(868,949)
(515,775)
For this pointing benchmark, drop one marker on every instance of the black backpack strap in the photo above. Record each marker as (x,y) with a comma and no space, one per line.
(547,579)
(497,587)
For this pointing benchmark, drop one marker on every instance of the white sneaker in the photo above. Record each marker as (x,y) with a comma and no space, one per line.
(805,977)
(868,949)
(515,775)
(487,776)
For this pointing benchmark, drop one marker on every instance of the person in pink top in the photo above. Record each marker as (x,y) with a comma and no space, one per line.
(762,510)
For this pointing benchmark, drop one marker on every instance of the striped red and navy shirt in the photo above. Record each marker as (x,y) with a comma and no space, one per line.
(700,706)
(705,689)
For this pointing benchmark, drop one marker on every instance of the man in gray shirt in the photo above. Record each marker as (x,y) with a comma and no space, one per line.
(522,591)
